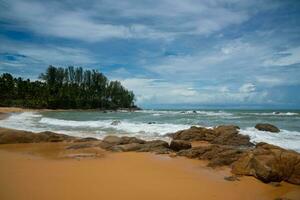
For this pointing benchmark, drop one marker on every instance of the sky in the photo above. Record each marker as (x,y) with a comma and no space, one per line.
(170,53)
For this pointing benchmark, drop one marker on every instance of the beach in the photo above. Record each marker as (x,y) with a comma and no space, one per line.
(35,171)
(72,170)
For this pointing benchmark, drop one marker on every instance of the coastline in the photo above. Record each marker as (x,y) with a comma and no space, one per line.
(120,176)
(74,173)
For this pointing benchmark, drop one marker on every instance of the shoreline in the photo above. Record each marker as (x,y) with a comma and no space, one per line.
(20,109)
(125,176)
(173,176)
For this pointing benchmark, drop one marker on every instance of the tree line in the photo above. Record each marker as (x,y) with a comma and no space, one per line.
(65,88)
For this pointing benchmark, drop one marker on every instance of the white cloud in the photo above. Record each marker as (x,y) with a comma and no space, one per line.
(153,91)
(247,88)
(163,19)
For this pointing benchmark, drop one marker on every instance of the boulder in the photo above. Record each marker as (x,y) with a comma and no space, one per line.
(115,123)
(194,134)
(267,127)
(269,163)
(112,139)
(10,136)
(115,140)
(127,147)
(218,155)
(86,139)
(224,135)
(157,146)
(229,135)
(178,145)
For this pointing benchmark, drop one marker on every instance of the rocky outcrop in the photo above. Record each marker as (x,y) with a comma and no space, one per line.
(269,163)
(86,139)
(115,143)
(223,135)
(178,145)
(9,136)
(267,127)
(218,155)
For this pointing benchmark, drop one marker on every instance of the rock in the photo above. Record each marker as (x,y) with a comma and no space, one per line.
(10,136)
(157,146)
(269,163)
(129,140)
(225,135)
(194,134)
(111,139)
(218,155)
(87,139)
(115,140)
(127,147)
(229,135)
(115,123)
(231,178)
(267,127)
(194,111)
(151,122)
(178,145)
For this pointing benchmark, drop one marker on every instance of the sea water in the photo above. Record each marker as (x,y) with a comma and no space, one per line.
(154,124)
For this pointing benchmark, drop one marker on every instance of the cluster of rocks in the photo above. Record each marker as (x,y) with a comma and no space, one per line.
(225,146)
(9,136)
(224,135)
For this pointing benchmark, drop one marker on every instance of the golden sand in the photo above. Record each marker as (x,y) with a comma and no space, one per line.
(46,171)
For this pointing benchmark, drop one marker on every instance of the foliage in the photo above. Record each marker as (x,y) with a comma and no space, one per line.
(65,88)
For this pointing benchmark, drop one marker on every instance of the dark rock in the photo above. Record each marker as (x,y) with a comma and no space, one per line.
(267,127)
(127,147)
(9,136)
(111,139)
(269,163)
(115,140)
(225,135)
(231,178)
(115,123)
(157,146)
(218,155)
(194,134)
(87,139)
(229,135)
(151,122)
(178,145)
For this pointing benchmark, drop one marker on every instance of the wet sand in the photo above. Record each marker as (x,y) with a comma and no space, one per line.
(47,171)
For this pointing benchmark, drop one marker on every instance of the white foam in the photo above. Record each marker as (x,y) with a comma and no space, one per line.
(22,121)
(274,114)
(125,126)
(286,139)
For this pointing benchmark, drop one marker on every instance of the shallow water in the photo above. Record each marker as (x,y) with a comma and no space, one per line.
(153,124)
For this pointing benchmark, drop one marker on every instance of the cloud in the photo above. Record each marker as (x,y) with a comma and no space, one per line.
(154,91)
(126,20)
(247,88)
(284,58)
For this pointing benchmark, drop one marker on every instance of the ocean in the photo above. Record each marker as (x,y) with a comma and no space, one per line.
(154,124)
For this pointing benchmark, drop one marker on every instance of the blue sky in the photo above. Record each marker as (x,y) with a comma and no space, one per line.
(171,53)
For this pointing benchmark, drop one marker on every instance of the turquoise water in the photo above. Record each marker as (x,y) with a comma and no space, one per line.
(153,124)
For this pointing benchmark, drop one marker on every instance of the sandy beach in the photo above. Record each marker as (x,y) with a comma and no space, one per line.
(38,171)
(53,171)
